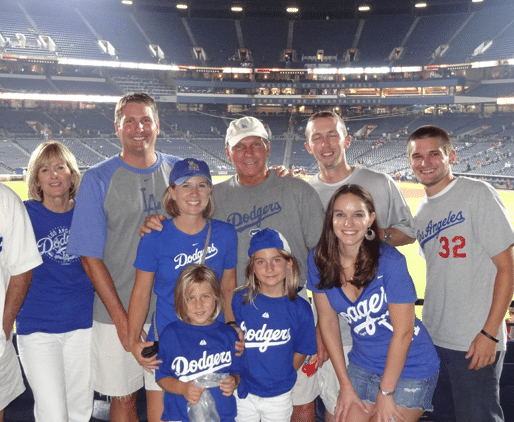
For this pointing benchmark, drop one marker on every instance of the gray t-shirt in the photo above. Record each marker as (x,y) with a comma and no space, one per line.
(113,201)
(459,230)
(391,209)
(288,205)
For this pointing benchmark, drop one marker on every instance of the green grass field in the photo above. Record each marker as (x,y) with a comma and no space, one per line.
(413,193)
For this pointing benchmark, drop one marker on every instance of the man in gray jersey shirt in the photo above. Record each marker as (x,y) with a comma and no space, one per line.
(327,140)
(466,238)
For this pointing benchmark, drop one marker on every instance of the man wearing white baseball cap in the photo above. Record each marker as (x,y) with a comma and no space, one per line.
(256,198)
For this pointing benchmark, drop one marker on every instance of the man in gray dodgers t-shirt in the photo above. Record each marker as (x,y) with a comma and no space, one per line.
(255,199)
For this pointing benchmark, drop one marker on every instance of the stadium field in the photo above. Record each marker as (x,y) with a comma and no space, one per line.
(412,192)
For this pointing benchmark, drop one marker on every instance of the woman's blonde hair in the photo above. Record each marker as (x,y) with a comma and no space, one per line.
(189,277)
(171,207)
(40,157)
(290,282)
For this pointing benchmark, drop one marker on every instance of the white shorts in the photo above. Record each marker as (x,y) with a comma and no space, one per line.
(329,384)
(11,384)
(306,389)
(264,409)
(114,371)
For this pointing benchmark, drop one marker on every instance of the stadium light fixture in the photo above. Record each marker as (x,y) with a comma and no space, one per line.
(182,6)
(237,8)
(364,8)
(59,97)
(292,9)
(420,5)
(477,1)
(127,2)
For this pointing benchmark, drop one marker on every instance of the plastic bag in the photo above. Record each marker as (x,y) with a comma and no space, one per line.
(205,410)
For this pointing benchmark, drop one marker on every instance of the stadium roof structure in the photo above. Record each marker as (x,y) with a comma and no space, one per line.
(317,9)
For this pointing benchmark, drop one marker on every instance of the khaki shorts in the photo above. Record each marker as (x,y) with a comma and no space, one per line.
(114,371)
(11,381)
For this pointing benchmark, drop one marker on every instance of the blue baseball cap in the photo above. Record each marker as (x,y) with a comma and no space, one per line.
(189,167)
(266,239)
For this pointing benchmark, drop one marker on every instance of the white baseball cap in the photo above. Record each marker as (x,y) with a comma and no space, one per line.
(243,128)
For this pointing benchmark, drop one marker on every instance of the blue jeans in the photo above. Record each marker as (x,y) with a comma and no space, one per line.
(409,393)
(464,395)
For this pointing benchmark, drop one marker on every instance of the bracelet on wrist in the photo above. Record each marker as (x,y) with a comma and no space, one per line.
(387,236)
(489,336)
(384,392)
(232,323)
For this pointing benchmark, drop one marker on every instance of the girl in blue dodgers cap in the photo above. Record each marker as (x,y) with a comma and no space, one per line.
(190,236)
(278,327)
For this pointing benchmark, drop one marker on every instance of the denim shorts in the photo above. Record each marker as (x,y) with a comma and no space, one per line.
(409,393)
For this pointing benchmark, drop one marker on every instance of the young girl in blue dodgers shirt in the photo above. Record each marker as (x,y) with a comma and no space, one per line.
(278,327)
(197,345)
(393,363)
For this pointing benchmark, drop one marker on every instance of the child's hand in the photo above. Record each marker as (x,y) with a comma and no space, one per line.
(229,385)
(240,345)
(192,393)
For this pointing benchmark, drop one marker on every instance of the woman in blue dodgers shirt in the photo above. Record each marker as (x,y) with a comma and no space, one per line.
(54,323)
(393,365)
(162,255)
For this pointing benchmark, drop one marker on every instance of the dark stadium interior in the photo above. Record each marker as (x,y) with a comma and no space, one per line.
(450,64)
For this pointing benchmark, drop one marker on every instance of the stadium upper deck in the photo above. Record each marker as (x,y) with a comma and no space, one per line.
(160,35)
(223,64)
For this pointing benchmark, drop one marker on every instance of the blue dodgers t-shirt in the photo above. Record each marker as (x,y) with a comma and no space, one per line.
(274,328)
(369,320)
(190,351)
(60,298)
(168,252)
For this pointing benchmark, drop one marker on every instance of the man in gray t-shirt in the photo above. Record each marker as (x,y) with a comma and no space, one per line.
(327,140)
(114,198)
(465,235)
(255,199)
